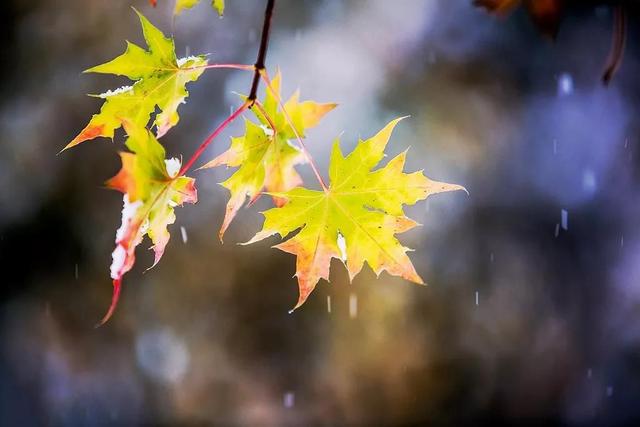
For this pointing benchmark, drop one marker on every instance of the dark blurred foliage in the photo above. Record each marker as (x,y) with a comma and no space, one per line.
(532,313)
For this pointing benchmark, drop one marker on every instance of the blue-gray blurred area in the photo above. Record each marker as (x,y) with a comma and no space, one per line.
(531,315)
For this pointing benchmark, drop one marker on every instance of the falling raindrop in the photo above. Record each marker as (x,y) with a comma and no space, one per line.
(477,297)
(183,232)
(564,219)
(328,303)
(565,84)
(75,272)
(589,373)
(556,233)
(289,399)
(622,241)
(588,181)
(353,306)
(555,146)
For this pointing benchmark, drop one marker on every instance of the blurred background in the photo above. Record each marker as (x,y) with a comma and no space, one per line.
(532,313)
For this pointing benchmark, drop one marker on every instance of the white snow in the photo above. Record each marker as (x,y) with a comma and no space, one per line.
(128,212)
(267,130)
(294,145)
(182,61)
(119,254)
(123,89)
(342,245)
(173,166)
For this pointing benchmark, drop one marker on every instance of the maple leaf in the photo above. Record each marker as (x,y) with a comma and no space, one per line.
(152,188)
(218,5)
(264,155)
(160,80)
(355,219)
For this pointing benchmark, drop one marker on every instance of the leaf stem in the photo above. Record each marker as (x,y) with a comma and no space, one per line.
(257,69)
(227,66)
(212,136)
(269,120)
(303,147)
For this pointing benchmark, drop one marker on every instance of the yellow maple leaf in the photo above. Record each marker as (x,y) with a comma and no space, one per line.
(355,219)
(264,155)
(160,80)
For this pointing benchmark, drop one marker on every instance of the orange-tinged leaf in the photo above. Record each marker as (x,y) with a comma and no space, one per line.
(356,219)
(160,82)
(91,131)
(265,155)
(152,189)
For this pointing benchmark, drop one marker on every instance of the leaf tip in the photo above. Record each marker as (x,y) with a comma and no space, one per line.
(117,285)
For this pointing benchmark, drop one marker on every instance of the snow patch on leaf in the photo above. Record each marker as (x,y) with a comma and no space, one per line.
(267,130)
(128,212)
(120,254)
(173,166)
(342,245)
(182,61)
(122,89)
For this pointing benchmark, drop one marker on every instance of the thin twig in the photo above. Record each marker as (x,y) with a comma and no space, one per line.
(227,66)
(262,52)
(211,137)
(262,55)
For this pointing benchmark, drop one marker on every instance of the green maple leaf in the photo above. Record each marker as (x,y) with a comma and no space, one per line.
(181,5)
(152,189)
(356,219)
(160,80)
(264,155)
